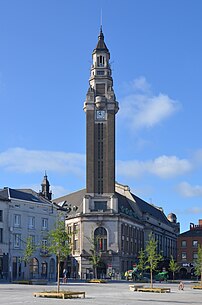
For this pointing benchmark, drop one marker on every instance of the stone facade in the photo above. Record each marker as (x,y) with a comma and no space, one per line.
(23,214)
(123,224)
(108,217)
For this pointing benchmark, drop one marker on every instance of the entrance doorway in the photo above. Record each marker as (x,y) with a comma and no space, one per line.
(101,270)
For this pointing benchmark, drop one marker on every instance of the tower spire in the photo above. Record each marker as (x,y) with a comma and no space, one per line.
(101,20)
(45,188)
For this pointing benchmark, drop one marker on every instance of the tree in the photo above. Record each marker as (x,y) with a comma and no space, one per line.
(141,262)
(95,256)
(173,266)
(29,250)
(59,243)
(152,257)
(198,263)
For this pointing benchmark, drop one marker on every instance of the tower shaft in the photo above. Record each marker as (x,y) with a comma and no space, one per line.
(100,107)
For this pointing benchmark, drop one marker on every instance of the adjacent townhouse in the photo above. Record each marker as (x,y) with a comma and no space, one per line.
(26,213)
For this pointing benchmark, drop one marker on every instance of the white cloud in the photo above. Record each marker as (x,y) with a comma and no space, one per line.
(26,161)
(170,166)
(188,190)
(142,108)
(29,161)
(141,84)
(194,210)
(198,156)
(163,167)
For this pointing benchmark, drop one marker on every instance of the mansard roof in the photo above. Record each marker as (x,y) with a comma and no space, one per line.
(126,206)
(150,210)
(24,194)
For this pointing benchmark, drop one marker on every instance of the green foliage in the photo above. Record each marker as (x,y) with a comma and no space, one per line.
(173,266)
(59,241)
(152,257)
(29,250)
(198,263)
(95,256)
(141,261)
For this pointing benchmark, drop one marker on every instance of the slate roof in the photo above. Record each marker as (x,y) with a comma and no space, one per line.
(71,201)
(101,46)
(26,195)
(150,209)
(125,206)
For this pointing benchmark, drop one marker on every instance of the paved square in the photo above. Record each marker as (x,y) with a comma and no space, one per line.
(100,294)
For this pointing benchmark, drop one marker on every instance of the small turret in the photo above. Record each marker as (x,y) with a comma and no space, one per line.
(45,188)
(172,218)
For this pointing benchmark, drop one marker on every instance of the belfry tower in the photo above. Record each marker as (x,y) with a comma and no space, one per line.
(105,211)
(100,107)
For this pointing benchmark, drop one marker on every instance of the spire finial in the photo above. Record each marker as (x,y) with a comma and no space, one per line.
(101,20)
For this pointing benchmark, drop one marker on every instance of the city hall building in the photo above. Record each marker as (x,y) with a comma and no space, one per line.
(106,211)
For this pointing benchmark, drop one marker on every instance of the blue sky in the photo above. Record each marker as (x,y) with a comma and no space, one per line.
(45,58)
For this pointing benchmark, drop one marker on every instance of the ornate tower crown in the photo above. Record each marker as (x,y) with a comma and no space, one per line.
(100,93)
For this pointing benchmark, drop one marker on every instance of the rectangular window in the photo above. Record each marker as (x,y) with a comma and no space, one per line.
(195,255)
(44,243)
(100,205)
(17,220)
(183,243)
(44,224)
(184,255)
(44,246)
(17,239)
(1,215)
(31,222)
(76,244)
(195,243)
(76,229)
(76,237)
(69,229)
(32,239)
(100,72)
(1,235)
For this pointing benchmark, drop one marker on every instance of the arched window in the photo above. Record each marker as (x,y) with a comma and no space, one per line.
(44,270)
(34,267)
(183,273)
(100,237)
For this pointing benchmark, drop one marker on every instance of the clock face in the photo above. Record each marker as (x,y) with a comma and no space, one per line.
(100,114)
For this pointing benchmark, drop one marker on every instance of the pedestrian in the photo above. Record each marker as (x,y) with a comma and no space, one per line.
(181,286)
(64,275)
